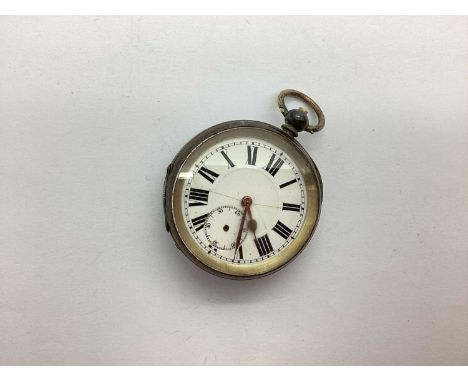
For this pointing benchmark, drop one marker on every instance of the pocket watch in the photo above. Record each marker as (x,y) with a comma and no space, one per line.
(243,198)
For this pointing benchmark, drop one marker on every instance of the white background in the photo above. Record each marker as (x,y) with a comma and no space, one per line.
(93,109)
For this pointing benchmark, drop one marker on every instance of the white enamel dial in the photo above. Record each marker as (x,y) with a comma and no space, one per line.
(214,186)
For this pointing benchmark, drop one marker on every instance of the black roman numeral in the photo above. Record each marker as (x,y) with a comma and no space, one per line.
(282,230)
(252,155)
(274,168)
(263,245)
(208,174)
(241,253)
(199,197)
(199,222)
(291,207)
(228,159)
(288,183)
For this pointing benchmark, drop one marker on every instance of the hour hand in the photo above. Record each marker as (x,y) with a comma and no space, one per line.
(252,224)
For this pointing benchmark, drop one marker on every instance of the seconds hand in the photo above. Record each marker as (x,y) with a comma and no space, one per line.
(232,197)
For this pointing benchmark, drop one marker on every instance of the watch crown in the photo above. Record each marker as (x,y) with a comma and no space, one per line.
(296,120)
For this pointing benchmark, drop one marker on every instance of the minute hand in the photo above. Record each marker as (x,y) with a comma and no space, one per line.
(241,228)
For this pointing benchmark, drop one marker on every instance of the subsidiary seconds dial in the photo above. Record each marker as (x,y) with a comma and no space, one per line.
(220,225)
